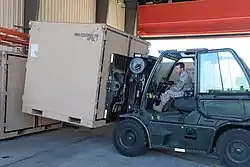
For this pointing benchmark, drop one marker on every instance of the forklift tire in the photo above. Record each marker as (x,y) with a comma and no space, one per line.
(233,148)
(130,138)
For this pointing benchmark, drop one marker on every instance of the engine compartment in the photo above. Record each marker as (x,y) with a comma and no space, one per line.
(127,79)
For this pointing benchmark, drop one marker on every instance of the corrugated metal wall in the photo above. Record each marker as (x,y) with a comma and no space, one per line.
(11,13)
(72,11)
(116,14)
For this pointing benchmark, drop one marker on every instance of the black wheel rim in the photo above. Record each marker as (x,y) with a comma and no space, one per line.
(238,152)
(127,138)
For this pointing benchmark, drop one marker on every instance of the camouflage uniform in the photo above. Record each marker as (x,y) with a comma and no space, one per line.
(177,90)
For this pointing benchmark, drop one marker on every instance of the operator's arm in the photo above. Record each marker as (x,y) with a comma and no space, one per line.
(180,83)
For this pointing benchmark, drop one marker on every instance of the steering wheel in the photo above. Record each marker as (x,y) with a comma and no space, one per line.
(161,88)
(170,83)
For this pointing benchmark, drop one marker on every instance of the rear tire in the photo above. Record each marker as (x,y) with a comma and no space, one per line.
(233,148)
(130,138)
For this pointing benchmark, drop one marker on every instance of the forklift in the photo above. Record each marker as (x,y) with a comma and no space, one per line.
(213,117)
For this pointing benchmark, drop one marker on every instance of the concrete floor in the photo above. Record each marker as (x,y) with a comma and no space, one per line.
(83,147)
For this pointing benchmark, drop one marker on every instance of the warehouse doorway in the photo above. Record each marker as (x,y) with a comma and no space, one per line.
(239,43)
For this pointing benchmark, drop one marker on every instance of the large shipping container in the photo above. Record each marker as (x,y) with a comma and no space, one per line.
(13,122)
(67,75)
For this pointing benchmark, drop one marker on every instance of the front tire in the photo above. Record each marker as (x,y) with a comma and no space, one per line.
(130,138)
(233,148)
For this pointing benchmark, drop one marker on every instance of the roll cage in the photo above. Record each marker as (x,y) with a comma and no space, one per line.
(176,55)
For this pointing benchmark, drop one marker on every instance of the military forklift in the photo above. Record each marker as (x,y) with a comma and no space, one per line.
(212,117)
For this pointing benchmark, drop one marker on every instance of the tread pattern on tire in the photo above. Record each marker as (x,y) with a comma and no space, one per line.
(141,129)
(223,136)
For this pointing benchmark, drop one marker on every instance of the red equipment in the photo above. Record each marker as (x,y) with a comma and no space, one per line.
(199,17)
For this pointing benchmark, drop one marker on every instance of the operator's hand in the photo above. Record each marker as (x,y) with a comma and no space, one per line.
(171,82)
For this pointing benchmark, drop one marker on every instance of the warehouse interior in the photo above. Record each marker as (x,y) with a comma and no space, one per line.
(41,96)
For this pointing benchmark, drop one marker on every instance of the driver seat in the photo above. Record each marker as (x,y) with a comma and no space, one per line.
(184,104)
(187,103)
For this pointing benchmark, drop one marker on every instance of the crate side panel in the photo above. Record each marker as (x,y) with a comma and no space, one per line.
(62,72)
(1,94)
(139,46)
(23,132)
(15,119)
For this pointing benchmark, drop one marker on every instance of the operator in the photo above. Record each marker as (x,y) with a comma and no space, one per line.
(177,89)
